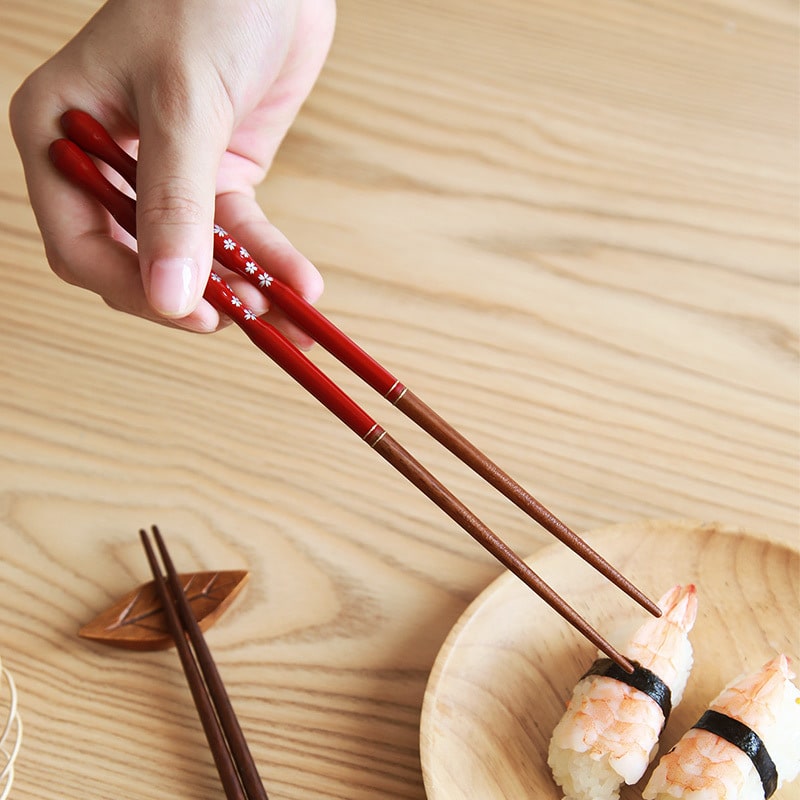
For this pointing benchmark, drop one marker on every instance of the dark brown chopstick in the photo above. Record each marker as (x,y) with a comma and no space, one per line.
(234,762)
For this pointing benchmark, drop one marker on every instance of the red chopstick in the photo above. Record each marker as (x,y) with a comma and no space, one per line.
(85,131)
(72,161)
(234,762)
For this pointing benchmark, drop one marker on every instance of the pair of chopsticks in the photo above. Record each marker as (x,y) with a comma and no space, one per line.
(232,756)
(71,156)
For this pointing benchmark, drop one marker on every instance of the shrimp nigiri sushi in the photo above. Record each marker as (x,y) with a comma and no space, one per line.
(744,747)
(610,731)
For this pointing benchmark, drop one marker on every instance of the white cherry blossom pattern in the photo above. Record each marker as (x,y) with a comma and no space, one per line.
(215,277)
(238,259)
(249,315)
(235,301)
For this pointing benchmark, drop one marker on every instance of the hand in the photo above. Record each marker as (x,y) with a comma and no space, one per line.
(205,91)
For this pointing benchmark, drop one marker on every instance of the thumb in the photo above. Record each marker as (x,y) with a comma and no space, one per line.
(176,182)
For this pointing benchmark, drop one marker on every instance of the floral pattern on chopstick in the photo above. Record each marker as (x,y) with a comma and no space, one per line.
(250,270)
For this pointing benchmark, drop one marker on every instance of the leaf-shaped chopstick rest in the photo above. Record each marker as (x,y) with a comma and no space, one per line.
(136,622)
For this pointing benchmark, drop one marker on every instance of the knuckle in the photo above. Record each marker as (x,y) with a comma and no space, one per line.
(17,107)
(61,267)
(184,99)
(24,102)
(113,304)
(172,96)
(170,202)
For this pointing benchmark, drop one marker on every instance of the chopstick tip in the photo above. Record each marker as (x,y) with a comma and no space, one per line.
(652,607)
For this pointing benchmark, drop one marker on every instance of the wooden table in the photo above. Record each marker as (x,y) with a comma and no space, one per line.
(571,227)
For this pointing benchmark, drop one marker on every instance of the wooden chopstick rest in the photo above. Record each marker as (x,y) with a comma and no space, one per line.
(136,621)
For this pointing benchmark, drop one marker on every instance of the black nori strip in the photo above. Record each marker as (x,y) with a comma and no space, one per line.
(642,679)
(747,740)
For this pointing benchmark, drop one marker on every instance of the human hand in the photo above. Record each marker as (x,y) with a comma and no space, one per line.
(205,92)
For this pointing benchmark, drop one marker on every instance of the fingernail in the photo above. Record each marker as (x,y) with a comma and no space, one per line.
(173,283)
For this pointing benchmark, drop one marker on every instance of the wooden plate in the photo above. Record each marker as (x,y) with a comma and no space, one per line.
(505,672)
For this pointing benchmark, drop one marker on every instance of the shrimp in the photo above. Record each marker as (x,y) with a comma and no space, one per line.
(765,708)
(609,733)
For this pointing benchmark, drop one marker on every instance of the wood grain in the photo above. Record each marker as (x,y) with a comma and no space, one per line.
(570,228)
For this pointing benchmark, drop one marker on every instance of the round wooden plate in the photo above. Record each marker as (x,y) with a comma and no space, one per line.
(502,678)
